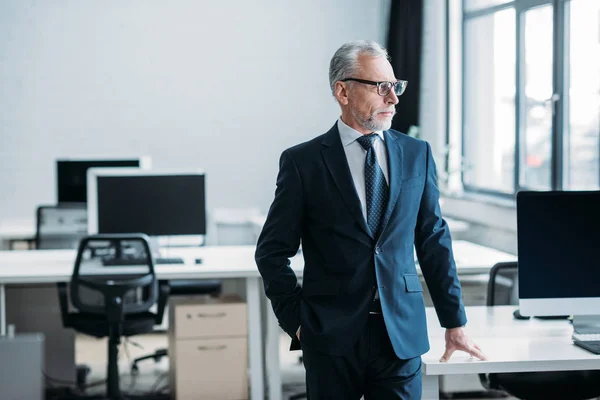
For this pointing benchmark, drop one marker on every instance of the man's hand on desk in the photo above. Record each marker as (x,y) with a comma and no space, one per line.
(456,339)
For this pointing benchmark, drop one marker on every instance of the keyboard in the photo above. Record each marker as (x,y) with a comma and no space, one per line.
(168,260)
(586,337)
(588,341)
(113,262)
(592,346)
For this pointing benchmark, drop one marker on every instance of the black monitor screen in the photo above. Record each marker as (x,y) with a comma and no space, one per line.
(558,244)
(157,205)
(71,177)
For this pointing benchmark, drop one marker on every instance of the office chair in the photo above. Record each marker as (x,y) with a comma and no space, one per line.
(60,226)
(559,385)
(116,317)
(181,287)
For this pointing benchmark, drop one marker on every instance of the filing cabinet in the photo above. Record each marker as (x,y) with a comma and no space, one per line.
(208,348)
(21,366)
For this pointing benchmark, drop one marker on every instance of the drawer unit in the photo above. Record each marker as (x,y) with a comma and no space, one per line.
(210,320)
(212,369)
(208,348)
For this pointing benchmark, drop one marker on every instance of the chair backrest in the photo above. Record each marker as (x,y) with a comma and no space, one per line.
(503,285)
(96,287)
(60,227)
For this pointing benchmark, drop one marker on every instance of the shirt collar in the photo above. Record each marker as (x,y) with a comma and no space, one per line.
(349,135)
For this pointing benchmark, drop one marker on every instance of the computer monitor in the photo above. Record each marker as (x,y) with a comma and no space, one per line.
(559,253)
(71,175)
(157,203)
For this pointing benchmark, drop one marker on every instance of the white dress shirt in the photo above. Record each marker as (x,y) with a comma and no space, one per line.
(356,154)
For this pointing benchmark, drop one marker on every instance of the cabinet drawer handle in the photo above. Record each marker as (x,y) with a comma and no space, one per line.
(219,347)
(216,315)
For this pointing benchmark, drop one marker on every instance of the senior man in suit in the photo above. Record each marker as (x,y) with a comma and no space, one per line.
(358,198)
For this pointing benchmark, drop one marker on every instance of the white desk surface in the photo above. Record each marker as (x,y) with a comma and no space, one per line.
(43,266)
(511,345)
(17,229)
(47,266)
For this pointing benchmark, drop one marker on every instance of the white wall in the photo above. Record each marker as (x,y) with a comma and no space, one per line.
(220,85)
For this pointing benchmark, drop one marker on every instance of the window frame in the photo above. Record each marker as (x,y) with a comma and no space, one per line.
(560,78)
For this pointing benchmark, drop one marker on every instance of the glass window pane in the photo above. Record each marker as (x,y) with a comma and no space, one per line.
(489,101)
(471,5)
(536,136)
(582,123)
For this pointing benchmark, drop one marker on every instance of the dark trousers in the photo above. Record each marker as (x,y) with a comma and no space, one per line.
(371,369)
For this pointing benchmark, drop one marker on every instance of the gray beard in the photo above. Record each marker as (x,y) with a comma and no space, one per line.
(371,123)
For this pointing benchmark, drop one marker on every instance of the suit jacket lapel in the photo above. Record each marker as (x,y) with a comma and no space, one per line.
(394,153)
(335,159)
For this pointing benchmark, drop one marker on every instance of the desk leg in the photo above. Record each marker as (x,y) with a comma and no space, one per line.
(272,354)
(431,389)
(2,311)
(255,351)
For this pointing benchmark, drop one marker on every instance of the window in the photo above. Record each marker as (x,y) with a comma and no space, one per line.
(530,95)
(536,100)
(489,101)
(582,127)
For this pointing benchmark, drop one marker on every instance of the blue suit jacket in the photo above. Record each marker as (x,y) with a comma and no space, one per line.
(316,203)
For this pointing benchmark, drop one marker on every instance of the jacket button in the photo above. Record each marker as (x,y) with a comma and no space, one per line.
(377,250)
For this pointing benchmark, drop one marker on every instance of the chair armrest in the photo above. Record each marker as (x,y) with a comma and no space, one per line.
(163,295)
(63,303)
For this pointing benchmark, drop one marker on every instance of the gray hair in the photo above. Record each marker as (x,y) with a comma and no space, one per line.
(344,62)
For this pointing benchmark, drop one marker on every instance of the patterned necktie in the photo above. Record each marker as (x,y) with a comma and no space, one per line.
(377,189)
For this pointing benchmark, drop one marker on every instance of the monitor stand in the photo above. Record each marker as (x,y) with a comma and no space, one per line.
(586,324)
(122,251)
(155,247)
(126,251)
(161,254)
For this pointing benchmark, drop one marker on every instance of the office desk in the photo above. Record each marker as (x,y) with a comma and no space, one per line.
(511,346)
(219,262)
(222,262)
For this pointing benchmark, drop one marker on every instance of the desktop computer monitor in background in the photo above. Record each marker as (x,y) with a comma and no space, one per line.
(157,203)
(71,175)
(559,253)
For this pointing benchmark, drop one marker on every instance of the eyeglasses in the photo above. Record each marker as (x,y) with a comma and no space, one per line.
(383,88)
